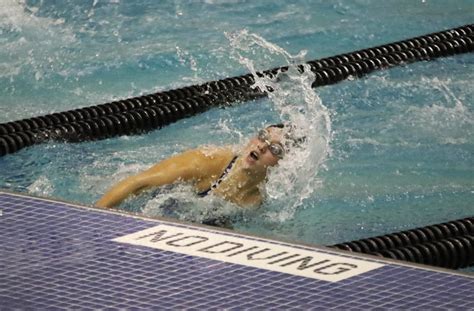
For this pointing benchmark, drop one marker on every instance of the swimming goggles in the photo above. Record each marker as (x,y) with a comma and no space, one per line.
(275,148)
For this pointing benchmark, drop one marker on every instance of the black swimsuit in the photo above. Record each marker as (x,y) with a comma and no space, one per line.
(218,181)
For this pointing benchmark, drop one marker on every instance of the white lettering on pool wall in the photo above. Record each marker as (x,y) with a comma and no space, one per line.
(258,254)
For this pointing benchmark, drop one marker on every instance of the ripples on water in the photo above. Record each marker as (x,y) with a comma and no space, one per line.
(385,153)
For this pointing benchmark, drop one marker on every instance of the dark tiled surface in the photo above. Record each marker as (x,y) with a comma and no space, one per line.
(54,255)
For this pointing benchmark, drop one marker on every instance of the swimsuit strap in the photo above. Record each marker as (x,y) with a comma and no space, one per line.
(219,180)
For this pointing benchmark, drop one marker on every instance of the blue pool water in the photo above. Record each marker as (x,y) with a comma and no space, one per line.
(400,150)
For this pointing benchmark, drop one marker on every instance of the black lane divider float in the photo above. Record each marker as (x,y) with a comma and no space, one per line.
(229,83)
(144,113)
(448,245)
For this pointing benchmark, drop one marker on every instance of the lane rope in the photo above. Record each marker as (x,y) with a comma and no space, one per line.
(448,245)
(148,112)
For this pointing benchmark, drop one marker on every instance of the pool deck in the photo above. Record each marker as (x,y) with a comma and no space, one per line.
(56,255)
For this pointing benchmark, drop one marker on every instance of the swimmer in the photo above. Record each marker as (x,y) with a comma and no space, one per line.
(221,171)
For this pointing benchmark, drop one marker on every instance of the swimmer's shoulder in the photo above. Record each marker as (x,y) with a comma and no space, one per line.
(214,159)
(203,160)
(202,154)
(211,152)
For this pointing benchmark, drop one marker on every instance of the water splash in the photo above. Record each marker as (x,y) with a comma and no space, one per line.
(32,41)
(448,124)
(295,179)
(41,187)
(444,120)
(177,201)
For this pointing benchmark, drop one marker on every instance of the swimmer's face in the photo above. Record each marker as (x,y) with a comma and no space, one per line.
(265,149)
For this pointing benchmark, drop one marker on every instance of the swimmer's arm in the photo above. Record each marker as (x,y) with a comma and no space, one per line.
(254,201)
(183,167)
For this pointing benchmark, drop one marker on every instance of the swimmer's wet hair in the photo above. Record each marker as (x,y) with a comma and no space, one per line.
(278,125)
(293,141)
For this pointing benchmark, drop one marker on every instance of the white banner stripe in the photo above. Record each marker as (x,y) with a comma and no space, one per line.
(258,254)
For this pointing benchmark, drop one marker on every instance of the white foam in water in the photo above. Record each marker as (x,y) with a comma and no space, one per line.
(41,187)
(446,121)
(178,201)
(37,37)
(453,121)
(295,178)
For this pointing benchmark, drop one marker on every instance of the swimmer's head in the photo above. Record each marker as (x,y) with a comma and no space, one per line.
(289,139)
(268,146)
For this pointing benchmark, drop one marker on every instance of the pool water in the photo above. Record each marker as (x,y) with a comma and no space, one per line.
(391,151)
